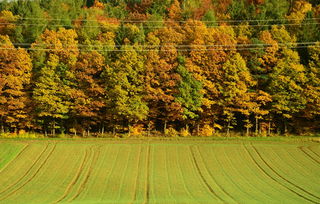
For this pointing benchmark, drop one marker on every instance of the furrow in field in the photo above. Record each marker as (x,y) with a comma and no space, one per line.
(242,181)
(34,163)
(54,177)
(285,179)
(205,168)
(222,174)
(110,172)
(32,176)
(114,181)
(15,157)
(273,189)
(75,178)
(148,161)
(202,175)
(303,161)
(167,172)
(119,198)
(137,177)
(184,181)
(313,151)
(83,184)
(308,154)
(271,176)
(25,174)
(85,169)
(288,165)
(127,188)
(183,177)
(161,176)
(291,164)
(94,187)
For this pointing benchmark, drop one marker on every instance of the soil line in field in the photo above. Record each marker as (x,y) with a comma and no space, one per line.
(13,191)
(147,183)
(136,186)
(270,176)
(206,167)
(308,154)
(309,147)
(76,177)
(18,155)
(202,176)
(264,161)
(94,160)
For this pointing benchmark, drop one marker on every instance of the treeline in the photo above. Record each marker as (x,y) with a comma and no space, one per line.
(197,65)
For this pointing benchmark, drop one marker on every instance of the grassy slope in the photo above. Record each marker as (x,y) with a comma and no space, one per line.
(137,171)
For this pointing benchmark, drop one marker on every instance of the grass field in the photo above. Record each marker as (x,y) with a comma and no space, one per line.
(137,171)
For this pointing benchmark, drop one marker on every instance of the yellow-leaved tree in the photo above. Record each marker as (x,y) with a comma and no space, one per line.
(15,75)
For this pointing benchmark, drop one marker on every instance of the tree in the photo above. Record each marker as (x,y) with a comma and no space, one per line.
(32,20)
(7,23)
(88,93)
(233,87)
(190,95)
(15,75)
(312,90)
(55,52)
(161,81)
(125,87)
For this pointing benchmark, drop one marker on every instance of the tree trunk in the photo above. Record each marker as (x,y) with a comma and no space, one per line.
(54,128)
(2,125)
(102,129)
(198,129)
(269,127)
(285,127)
(228,129)
(257,125)
(114,131)
(248,131)
(149,128)
(165,127)
(129,129)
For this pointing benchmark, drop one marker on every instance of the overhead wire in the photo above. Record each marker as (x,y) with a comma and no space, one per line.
(155,26)
(146,50)
(170,45)
(146,21)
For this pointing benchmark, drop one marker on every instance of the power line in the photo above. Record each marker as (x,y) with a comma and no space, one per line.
(146,50)
(152,46)
(155,26)
(146,21)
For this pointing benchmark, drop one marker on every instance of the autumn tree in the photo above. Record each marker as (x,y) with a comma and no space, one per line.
(190,93)
(125,87)
(233,87)
(54,55)
(15,75)
(88,93)
(161,81)
(287,79)
(312,90)
(7,23)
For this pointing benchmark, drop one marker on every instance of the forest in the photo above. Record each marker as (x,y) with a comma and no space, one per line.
(188,67)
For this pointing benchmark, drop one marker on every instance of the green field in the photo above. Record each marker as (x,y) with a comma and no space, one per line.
(137,171)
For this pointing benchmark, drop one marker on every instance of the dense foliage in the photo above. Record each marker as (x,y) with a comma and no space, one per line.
(120,65)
